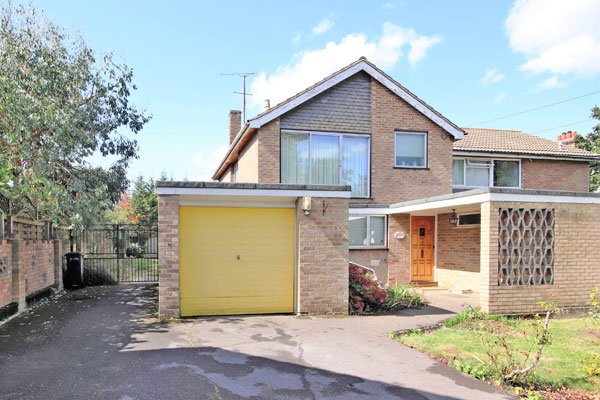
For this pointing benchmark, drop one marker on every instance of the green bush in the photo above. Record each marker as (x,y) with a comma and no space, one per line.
(403,296)
(592,365)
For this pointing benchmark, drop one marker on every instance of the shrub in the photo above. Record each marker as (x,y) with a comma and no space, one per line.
(402,296)
(365,293)
(592,365)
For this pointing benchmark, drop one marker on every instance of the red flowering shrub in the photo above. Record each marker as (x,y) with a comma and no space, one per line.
(365,293)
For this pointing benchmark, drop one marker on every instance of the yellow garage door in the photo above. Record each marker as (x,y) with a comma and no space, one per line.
(236,260)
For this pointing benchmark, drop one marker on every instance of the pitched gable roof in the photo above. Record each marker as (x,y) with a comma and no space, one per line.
(516,142)
(362,64)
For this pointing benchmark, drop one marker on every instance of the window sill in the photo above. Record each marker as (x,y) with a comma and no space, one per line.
(368,248)
(418,168)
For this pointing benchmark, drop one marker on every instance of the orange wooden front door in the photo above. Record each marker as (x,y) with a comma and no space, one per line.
(422,248)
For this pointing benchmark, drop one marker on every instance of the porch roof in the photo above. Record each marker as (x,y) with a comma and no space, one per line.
(466,199)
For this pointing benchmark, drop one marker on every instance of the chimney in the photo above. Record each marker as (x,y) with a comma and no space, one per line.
(235,124)
(267,104)
(566,138)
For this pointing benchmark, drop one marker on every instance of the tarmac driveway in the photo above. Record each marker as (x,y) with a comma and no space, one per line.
(103,342)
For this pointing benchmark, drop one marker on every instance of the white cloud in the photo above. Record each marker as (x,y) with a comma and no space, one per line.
(323,26)
(388,5)
(309,67)
(491,76)
(205,162)
(499,98)
(297,37)
(556,36)
(550,83)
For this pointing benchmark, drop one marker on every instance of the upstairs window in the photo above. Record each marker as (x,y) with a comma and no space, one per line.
(326,159)
(410,150)
(473,172)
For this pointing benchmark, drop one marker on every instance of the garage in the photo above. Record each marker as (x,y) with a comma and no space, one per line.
(230,248)
(236,260)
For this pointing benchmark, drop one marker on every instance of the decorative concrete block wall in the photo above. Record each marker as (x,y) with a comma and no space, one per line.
(575,265)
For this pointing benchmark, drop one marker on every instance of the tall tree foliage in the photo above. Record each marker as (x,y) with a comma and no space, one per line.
(591,142)
(144,202)
(59,105)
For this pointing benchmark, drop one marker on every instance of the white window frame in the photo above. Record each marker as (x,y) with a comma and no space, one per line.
(490,167)
(459,225)
(340,143)
(385,234)
(426,141)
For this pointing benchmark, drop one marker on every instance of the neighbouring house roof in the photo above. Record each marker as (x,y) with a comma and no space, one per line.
(482,140)
(362,64)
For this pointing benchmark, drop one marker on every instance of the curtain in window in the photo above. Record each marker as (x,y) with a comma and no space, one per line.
(355,165)
(410,150)
(506,173)
(294,158)
(377,228)
(358,231)
(458,172)
(325,160)
(477,176)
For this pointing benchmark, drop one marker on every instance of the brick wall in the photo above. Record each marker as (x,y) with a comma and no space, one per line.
(556,175)
(457,255)
(323,257)
(168,256)
(5,273)
(227,175)
(364,257)
(248,162)
(399,250)
(389,113)
(28,267)
(268,153)
(37,258)
(576,255)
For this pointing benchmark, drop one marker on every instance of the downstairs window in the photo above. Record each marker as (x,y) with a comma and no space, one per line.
(367,231)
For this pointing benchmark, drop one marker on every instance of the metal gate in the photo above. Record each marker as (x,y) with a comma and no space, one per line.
(118,253)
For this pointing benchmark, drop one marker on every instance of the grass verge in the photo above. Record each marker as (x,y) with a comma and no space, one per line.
(464,342)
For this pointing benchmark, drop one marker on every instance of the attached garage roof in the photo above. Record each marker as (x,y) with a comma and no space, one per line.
(251,189)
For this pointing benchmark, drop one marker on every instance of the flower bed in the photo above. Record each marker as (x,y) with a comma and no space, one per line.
(368,296)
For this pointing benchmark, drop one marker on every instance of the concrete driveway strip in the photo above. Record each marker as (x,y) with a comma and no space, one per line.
(101,343)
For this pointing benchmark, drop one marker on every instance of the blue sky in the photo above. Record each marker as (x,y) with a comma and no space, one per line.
(471,60)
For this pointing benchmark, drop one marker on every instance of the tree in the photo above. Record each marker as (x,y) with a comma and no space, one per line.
(144,202)
(59,105)
(591,142)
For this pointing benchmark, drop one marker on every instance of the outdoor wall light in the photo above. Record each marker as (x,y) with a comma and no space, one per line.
(306,205)
(454,218)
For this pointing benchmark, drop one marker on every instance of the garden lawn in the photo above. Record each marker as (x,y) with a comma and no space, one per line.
(572,341)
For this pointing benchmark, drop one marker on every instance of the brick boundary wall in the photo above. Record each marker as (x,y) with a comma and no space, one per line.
(576,266)
(168,256)
(32,267)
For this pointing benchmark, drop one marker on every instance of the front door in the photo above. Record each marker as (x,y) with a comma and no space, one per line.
(422,248)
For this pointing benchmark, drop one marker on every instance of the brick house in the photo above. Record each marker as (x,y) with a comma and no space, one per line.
(377,177)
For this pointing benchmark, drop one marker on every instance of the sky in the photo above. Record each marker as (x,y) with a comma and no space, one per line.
(473,61)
